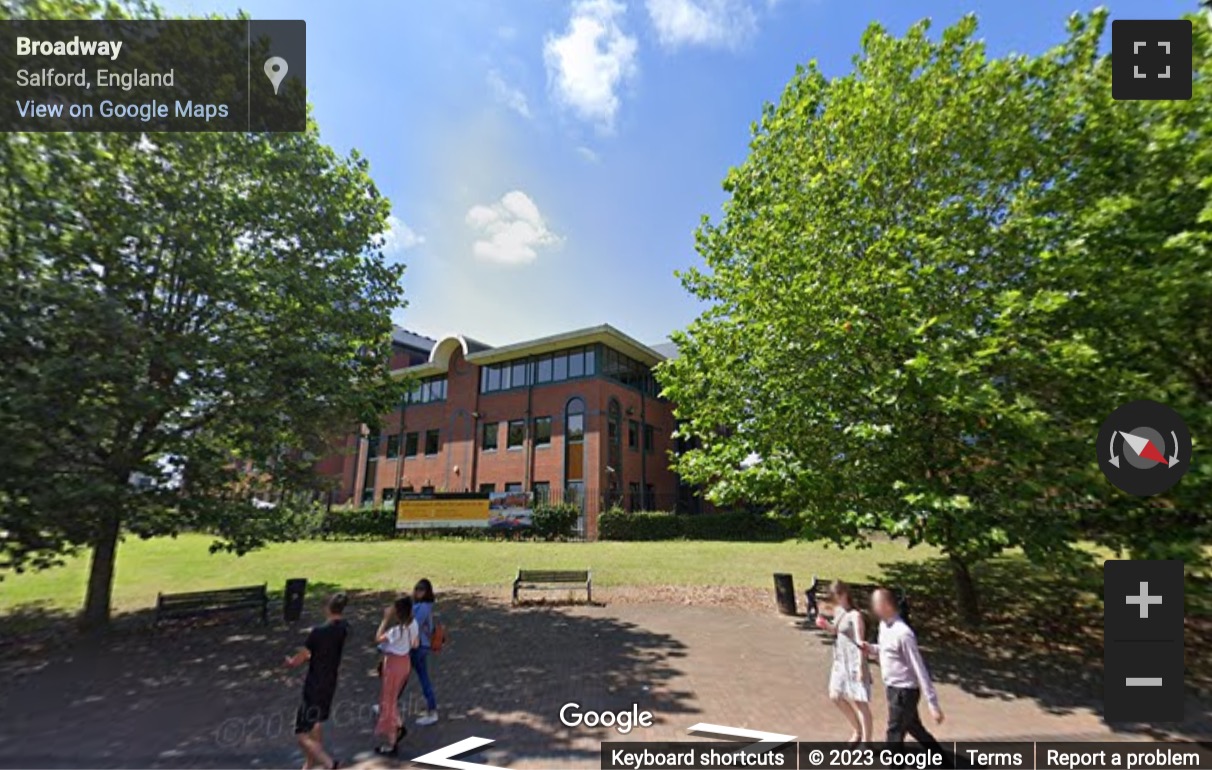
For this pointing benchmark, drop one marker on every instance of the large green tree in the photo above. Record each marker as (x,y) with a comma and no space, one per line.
(185,322)
(933,278)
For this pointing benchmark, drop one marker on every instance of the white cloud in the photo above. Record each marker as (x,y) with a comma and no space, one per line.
(711,23)
(587,154)
(591,61)
(510,230)
(399,236)
(507,95)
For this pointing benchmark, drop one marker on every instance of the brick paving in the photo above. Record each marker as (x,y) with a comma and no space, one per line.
(215,695)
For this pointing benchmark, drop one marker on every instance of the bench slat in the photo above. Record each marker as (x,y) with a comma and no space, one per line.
(552,576)
(193,603)
(210,602)
(551,580)
(219,594)
(185,605)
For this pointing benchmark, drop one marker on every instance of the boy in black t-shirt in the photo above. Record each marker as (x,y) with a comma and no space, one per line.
(322,653)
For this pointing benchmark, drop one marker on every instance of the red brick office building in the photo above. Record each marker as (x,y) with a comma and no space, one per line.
(572,417)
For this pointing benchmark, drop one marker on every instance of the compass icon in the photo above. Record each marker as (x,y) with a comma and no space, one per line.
(1144,448)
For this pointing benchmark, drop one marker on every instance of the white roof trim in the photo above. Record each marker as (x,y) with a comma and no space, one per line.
(445,347)
(439,357)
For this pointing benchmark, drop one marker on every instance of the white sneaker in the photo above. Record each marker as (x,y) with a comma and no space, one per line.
(428,718)
(375,710)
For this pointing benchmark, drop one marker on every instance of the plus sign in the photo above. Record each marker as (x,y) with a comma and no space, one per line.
(1144,600)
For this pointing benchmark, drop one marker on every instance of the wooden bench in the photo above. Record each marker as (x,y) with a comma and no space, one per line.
(198,603)
(552,580)
(860,593)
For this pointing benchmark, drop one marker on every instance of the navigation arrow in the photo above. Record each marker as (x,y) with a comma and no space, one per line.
(1174,457)
(764,741)
(1114,457)
(1143,447)
(445,756)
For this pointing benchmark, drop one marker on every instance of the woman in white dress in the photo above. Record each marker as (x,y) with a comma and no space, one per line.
(850,677)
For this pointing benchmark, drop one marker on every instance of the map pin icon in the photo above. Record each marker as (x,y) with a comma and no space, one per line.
(275,70)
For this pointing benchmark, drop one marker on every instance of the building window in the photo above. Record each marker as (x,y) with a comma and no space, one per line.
(389,496)
(648,438)
(614,438)
(542,492)
(431,442)
(516,435)
(488,488)
(410,444)
(368,497)
(574,493)
(518,378)
(431,389)
(628,371)
(372,464)
(491,431)
(633,491)
(633,434)
(427,490)
(574,449)
(575,427)
(406,490)
(568,364)
(542,431)
(512,487)
(393,446)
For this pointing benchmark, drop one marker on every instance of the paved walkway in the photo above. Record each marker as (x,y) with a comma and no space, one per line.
(216,695)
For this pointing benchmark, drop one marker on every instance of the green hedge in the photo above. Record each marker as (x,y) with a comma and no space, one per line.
(360,523)
(552,521)
(743,526)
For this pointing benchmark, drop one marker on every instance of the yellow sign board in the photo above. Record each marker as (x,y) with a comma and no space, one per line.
(439,510)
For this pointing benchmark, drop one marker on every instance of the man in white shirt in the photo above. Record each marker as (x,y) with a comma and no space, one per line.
(904,674)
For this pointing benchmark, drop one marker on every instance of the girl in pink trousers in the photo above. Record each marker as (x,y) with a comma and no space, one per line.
(397,637)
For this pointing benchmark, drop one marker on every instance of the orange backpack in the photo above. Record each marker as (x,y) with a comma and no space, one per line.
(437,636)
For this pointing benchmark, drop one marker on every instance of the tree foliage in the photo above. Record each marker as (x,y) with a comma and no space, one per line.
(185,322)
(934,278)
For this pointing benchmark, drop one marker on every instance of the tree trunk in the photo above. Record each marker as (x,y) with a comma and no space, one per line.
(101,574)
(965,592)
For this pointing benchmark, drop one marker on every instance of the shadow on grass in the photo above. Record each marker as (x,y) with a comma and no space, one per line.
(1040,638)
(215,693)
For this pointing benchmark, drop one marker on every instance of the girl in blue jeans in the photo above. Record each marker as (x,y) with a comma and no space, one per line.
(422,597)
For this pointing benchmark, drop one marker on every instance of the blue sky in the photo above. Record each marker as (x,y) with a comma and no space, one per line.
(549,160)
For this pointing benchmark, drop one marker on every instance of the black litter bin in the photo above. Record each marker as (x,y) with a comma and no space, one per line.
(292,599)
(784,593)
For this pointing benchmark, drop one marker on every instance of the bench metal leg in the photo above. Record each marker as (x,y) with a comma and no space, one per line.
(812,610)
(515,593)
(589,591)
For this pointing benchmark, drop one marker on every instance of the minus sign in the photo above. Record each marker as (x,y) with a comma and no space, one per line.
(1143,681)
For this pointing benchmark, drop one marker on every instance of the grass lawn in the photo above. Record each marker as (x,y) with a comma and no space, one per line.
(146,567)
